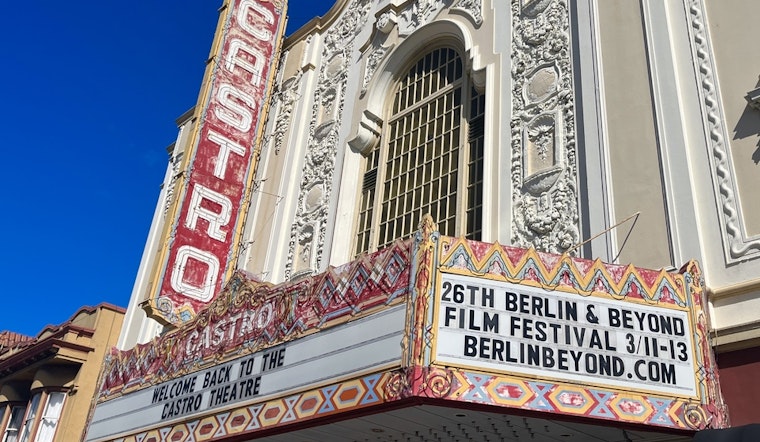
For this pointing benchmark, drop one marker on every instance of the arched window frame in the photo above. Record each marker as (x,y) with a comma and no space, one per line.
(372,224)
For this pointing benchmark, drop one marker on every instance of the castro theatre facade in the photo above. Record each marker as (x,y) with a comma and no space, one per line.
(436,338)
(291,286)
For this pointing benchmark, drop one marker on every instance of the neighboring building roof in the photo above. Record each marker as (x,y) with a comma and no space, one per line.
(10,339)
(12,345)
(81,318)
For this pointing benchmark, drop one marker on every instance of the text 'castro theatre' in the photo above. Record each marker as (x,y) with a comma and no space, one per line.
(487,220)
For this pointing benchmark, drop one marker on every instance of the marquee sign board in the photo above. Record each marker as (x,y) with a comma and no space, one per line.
(208,214)
(364,345)
(593,340)
(515,327)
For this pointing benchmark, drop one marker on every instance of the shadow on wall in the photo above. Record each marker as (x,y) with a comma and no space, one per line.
(749,122)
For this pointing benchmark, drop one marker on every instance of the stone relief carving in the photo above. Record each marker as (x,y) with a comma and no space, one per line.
(284,98)
(385,22)
(415,15)
(472,7)
(736,245)
(373,61)
(544,168)
(418,13)
(308,230)
(304,257)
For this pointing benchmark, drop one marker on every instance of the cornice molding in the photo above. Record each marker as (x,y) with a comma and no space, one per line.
(735,290)
(737,246)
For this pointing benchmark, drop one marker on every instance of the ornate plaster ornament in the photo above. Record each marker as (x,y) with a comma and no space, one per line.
(417,14)
(737,247)
(285,96)
(308,230)
(473,8)
(386,21)
(374,58)
(544,169)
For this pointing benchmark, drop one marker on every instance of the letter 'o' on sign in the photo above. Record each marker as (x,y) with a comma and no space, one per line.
(188,263)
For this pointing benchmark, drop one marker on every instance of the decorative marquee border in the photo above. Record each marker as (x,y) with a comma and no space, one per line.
(434,383)
(562,398)
(551,272)
(295,309)
(317,403)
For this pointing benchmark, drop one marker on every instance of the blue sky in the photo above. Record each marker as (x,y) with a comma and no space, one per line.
(90,92)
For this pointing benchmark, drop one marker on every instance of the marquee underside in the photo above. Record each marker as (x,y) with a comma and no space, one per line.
(428,423)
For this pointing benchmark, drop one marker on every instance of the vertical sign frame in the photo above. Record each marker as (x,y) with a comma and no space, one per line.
(201,243)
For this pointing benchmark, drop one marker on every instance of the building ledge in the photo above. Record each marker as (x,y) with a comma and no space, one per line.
(47,350)
(736,337)
(734,290)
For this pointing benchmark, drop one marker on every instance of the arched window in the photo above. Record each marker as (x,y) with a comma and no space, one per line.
(429,159)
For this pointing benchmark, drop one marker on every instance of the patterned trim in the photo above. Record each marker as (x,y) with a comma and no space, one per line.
(317,403)
(568,399)
(418,378)
(436,383)
(551,271)
(419,313)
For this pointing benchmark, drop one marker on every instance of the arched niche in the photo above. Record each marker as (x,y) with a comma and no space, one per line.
(445,32)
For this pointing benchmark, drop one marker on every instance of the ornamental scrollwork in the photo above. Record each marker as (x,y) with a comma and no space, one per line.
(309,229)
(544,168)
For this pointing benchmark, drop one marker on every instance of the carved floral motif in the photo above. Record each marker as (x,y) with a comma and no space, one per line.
(308,230)
(416,14)
(373,61)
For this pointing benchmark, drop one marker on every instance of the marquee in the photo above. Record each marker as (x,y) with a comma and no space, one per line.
(437,320)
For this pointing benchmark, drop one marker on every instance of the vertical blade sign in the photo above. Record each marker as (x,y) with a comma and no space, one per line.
(206,232)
